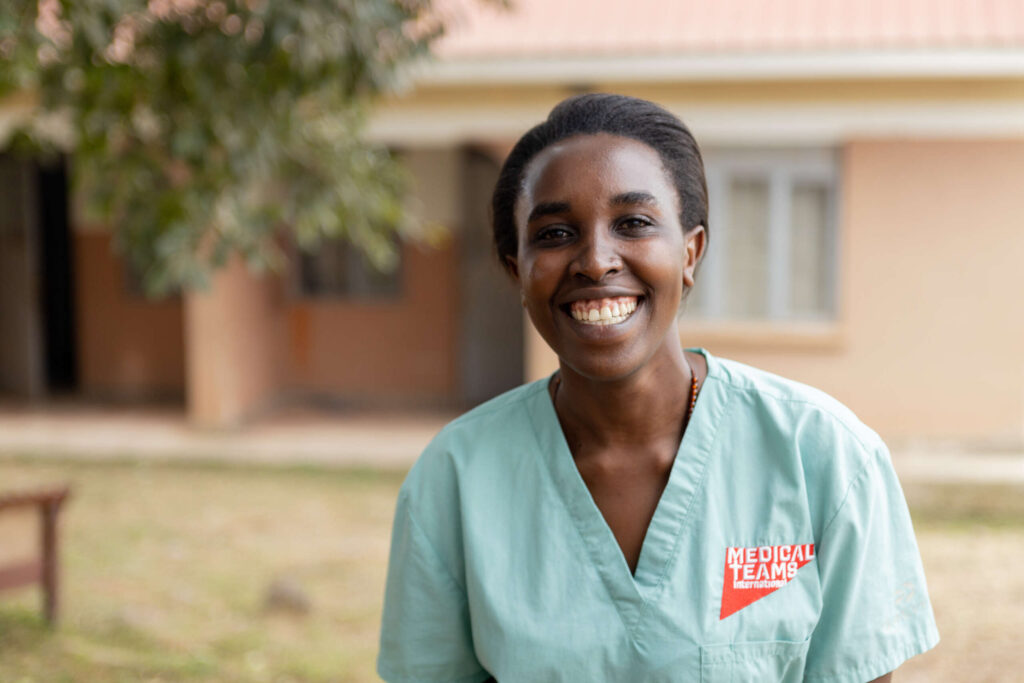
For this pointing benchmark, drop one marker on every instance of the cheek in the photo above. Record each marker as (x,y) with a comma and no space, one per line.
(663,268)
(539,276)
(667,279)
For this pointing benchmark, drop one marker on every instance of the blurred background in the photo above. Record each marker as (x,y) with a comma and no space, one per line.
(246,274)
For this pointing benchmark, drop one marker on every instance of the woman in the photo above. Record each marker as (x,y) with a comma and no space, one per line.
(647,513)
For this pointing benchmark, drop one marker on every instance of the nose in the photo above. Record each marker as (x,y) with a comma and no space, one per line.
(596,257)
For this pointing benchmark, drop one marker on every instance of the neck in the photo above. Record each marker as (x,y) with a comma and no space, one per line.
(646,406)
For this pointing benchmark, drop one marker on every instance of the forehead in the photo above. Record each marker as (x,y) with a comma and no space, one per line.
(593,168)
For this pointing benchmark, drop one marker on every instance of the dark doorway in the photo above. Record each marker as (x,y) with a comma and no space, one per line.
(37,345)
(57,273)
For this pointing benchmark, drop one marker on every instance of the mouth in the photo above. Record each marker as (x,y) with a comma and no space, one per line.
(606,311)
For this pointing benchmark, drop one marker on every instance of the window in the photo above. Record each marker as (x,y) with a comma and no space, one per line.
(772,253)
(339,270)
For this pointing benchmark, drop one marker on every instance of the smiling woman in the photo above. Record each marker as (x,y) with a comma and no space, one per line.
(649,512)
(599,220)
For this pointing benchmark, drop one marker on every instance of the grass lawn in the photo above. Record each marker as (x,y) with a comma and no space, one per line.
(165,569)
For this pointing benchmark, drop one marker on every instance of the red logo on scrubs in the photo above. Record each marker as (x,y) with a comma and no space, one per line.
(752,573)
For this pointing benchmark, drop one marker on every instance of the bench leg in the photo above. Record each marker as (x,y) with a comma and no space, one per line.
(48,520)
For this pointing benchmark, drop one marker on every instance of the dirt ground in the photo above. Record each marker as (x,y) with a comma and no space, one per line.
(972,545)
(166,569)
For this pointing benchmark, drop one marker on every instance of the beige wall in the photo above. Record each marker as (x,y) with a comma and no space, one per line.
(128,346)
(932,334)
(930,341)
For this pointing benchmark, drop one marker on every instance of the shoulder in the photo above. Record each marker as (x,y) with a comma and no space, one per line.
(510,408)
(802,430)
(500,422)
(469,466)
(477,442)
(799,408)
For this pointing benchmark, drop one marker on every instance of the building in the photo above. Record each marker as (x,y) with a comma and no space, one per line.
(864,161)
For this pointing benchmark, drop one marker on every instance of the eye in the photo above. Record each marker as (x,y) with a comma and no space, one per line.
(635,224)
(552,233)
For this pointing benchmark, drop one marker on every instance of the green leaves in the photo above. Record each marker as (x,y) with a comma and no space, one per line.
(205,128)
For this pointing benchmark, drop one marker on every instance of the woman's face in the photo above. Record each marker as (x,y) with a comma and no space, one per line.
(602,257)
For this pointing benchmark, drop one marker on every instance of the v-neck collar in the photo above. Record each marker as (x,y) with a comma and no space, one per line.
(631,592)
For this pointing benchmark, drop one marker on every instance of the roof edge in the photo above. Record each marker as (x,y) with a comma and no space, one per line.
(751,66)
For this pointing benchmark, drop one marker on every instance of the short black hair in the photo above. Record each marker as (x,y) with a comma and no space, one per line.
(594,113)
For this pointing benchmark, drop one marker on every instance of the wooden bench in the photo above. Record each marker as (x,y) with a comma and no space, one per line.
(42,570)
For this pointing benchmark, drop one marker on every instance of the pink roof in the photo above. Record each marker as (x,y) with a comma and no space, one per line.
(575,28)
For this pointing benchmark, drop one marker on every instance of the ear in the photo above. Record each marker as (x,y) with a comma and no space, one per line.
(512,266)
(696,242)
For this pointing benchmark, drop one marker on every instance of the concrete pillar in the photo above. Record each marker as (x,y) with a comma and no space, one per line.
(233,334)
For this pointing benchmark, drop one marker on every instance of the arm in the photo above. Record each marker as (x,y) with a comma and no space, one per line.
(425,629)
(887,678)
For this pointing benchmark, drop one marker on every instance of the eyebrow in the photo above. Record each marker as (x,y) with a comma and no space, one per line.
(548,209)
(634,198)
(624,199)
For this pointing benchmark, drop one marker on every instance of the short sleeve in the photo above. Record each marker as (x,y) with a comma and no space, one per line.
(425,632)
(875,609)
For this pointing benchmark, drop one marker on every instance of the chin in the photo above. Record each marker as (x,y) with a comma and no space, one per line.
(611,364)
(601,367)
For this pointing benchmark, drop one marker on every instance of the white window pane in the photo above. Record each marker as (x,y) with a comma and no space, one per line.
(809,258)
(745,249)
(772,255)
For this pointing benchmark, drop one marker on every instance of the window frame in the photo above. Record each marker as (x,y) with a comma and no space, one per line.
(302,293)
(782,169)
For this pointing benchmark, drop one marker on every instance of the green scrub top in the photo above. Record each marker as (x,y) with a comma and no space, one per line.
(780,550)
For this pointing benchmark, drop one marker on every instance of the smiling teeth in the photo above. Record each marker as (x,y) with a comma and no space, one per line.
(604,311)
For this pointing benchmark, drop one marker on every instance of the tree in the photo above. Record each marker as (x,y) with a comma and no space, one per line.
(206,128)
